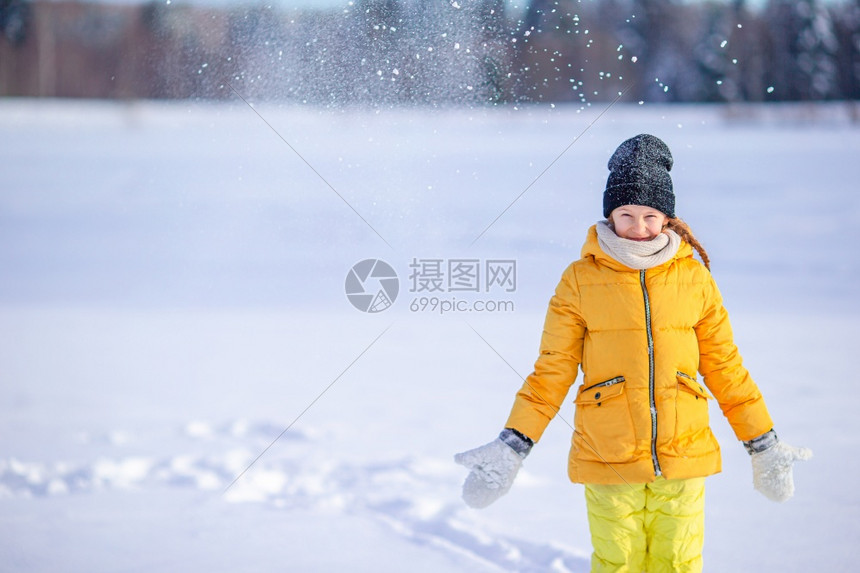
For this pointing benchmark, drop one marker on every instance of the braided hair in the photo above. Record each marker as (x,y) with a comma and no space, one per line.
(685,233)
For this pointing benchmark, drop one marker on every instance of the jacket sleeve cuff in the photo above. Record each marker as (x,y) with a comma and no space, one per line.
(518,442)
(761,443)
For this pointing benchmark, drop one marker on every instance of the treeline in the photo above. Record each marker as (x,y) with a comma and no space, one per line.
(436,51)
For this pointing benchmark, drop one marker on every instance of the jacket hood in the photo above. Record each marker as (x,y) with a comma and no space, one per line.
(592,249)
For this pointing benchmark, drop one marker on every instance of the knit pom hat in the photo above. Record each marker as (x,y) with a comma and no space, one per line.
(639,175)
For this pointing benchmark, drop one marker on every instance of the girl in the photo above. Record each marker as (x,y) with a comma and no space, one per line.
(640,317)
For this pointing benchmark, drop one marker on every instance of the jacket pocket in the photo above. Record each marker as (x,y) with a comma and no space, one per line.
(603,424)
(691,414)
(690,384)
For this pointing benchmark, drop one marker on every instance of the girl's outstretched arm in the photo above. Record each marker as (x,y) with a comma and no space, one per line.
(494,466)
(555,370)
(742,402)
(722,368)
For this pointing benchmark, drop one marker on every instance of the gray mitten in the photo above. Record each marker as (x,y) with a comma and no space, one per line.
(493,468)
(772,465)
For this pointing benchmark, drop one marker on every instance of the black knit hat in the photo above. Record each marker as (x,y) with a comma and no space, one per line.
(639,175)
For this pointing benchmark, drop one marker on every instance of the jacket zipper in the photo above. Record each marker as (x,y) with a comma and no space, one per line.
(615,380)
(651,400)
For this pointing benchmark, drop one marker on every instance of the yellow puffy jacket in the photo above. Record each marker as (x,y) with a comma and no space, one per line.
(639,337)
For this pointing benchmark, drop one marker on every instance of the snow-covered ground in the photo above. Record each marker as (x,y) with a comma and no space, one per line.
(172,298)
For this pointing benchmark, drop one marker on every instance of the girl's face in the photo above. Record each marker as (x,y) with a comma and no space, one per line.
(637,223)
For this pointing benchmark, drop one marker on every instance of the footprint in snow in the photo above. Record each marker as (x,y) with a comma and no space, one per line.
(416,498)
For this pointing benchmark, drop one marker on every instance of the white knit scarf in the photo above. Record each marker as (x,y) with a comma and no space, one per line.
(638,254)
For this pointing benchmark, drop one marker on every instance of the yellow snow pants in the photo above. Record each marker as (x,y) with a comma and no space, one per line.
(652,527)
